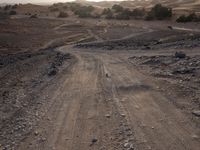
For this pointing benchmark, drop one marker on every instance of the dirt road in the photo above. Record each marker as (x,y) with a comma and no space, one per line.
(104,103)
(93,95)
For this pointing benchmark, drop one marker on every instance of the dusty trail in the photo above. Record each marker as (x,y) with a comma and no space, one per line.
(105,98)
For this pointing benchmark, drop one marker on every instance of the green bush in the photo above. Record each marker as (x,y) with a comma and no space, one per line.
(84,11)
(107,12)
(124,15)
(53,9)
(117,8)
(96,16)
(62,15)
(12,12)
(14,6)
(74,6)
(190,18)
(7,7)
(182,18)
(3,15)
(159,12)
(150,16)
(65,7)
(138,13)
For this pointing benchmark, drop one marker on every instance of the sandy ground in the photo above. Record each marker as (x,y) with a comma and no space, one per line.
(91,96)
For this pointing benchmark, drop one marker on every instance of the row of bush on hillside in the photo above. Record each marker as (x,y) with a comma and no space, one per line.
(189,18)
(76,8)
(9,7)
(158,12)
(116,12)
(7,10)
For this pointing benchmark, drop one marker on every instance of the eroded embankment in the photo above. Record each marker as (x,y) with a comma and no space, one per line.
(23,79)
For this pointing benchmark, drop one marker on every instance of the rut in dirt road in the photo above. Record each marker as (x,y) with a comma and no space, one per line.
(156,122)
(104,103)
(84,115)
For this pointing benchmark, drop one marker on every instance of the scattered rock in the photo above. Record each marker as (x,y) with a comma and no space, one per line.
(52,70)
(183,70)
(43,139)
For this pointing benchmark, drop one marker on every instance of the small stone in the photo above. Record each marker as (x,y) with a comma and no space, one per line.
(137,107)
(123,115)
(126,145)
(94,140)
(195,136)
(196,113)
(129,133)
(152,127)
(43,139)
(36,133)
(107,115)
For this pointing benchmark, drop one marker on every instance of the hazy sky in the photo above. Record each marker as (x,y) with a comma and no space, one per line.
(30,1)
(35,1)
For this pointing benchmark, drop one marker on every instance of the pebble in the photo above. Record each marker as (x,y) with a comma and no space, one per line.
(107,115)
(43,139)
(94,140)
(36,133)
(123,115)
(126,145)
(129,134)
(195,136)
(196,113)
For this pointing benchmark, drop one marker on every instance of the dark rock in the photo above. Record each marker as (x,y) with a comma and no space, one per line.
(94,140)
(52,70)
(147,47)
(170,27)
(180,55)
(107,75)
